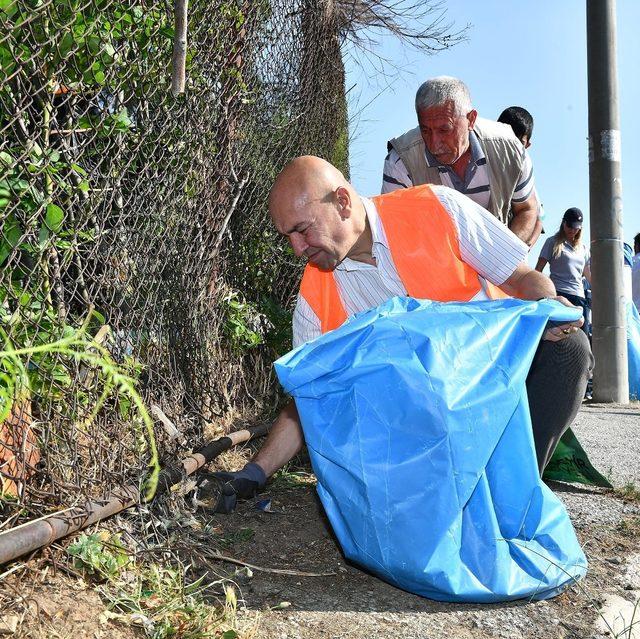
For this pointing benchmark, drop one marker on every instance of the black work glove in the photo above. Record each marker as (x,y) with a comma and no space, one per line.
(242,484)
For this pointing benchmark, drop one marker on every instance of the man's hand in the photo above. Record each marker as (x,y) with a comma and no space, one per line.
(562,331)
(242,484)
(284,441)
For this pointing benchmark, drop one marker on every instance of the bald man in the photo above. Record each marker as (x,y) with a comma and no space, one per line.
(351,246)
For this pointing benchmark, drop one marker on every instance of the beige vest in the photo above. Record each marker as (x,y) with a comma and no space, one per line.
(502,149)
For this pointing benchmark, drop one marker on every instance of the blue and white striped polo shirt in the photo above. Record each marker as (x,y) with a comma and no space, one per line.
(476,180)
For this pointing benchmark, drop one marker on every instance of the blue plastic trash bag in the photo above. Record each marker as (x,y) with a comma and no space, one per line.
(416,419)
(633,329)
(627,252)
(633,350)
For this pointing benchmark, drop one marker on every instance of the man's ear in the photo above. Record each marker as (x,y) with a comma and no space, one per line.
(471,117)
(343,198)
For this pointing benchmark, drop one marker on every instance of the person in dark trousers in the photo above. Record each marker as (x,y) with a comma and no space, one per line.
(354,262)
(568,260)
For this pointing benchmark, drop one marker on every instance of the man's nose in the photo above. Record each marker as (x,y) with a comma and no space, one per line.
(298,243)
(432,140)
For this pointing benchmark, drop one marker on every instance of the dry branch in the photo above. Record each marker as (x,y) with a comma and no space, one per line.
(419,24)
(213,554)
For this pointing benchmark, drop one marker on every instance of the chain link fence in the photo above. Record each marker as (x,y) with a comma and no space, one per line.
(135,222)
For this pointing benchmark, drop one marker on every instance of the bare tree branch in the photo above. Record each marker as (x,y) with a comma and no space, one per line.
(418,23)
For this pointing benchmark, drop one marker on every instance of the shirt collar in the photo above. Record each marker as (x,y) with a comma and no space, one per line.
(377,235)
(477,154)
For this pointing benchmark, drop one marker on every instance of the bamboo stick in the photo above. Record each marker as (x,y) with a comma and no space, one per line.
(44,531)
(179,60)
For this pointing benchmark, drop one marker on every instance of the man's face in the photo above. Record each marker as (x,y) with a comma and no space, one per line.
(445,133)
(316,230)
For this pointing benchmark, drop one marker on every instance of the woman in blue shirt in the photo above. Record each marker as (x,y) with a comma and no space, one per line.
(568,261)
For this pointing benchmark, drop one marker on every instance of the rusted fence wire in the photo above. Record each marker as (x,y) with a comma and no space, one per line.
(138,143)
(139,213)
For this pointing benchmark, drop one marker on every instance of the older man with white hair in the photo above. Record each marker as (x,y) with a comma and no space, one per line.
(480,158)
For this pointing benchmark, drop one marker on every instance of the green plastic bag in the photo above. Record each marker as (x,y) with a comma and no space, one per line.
(571,463)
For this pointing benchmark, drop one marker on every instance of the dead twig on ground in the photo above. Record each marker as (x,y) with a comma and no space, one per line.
(213,554)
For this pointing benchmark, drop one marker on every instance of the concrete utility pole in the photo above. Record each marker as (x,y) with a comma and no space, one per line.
(611,376)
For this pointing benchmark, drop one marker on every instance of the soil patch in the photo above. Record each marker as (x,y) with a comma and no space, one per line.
(351,603)
(41,604)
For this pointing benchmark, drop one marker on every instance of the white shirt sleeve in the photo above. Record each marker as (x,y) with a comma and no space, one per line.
(306,324)
(486,244)
(526,182)
(394,174)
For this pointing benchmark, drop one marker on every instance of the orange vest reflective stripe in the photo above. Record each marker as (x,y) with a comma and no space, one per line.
(423,241)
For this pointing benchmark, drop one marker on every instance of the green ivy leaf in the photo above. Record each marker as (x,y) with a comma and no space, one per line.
(94,44)
(122,121)
(36,150)
(10,236)
(66,45)
(167,32)
(9,7)
(54,217)
(84,122)
(25,299)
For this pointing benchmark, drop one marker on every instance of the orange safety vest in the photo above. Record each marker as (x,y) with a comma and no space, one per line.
(424,245)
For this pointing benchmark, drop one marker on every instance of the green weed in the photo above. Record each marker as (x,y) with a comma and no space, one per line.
(630,527)
(286,479)
(238,536)
(242,322)
(160,600)
(629,492)
(99,554)
(18,378)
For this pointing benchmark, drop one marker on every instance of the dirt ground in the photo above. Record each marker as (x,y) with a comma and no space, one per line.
(325,597)
(54,605)
(349,603)
(346,602)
